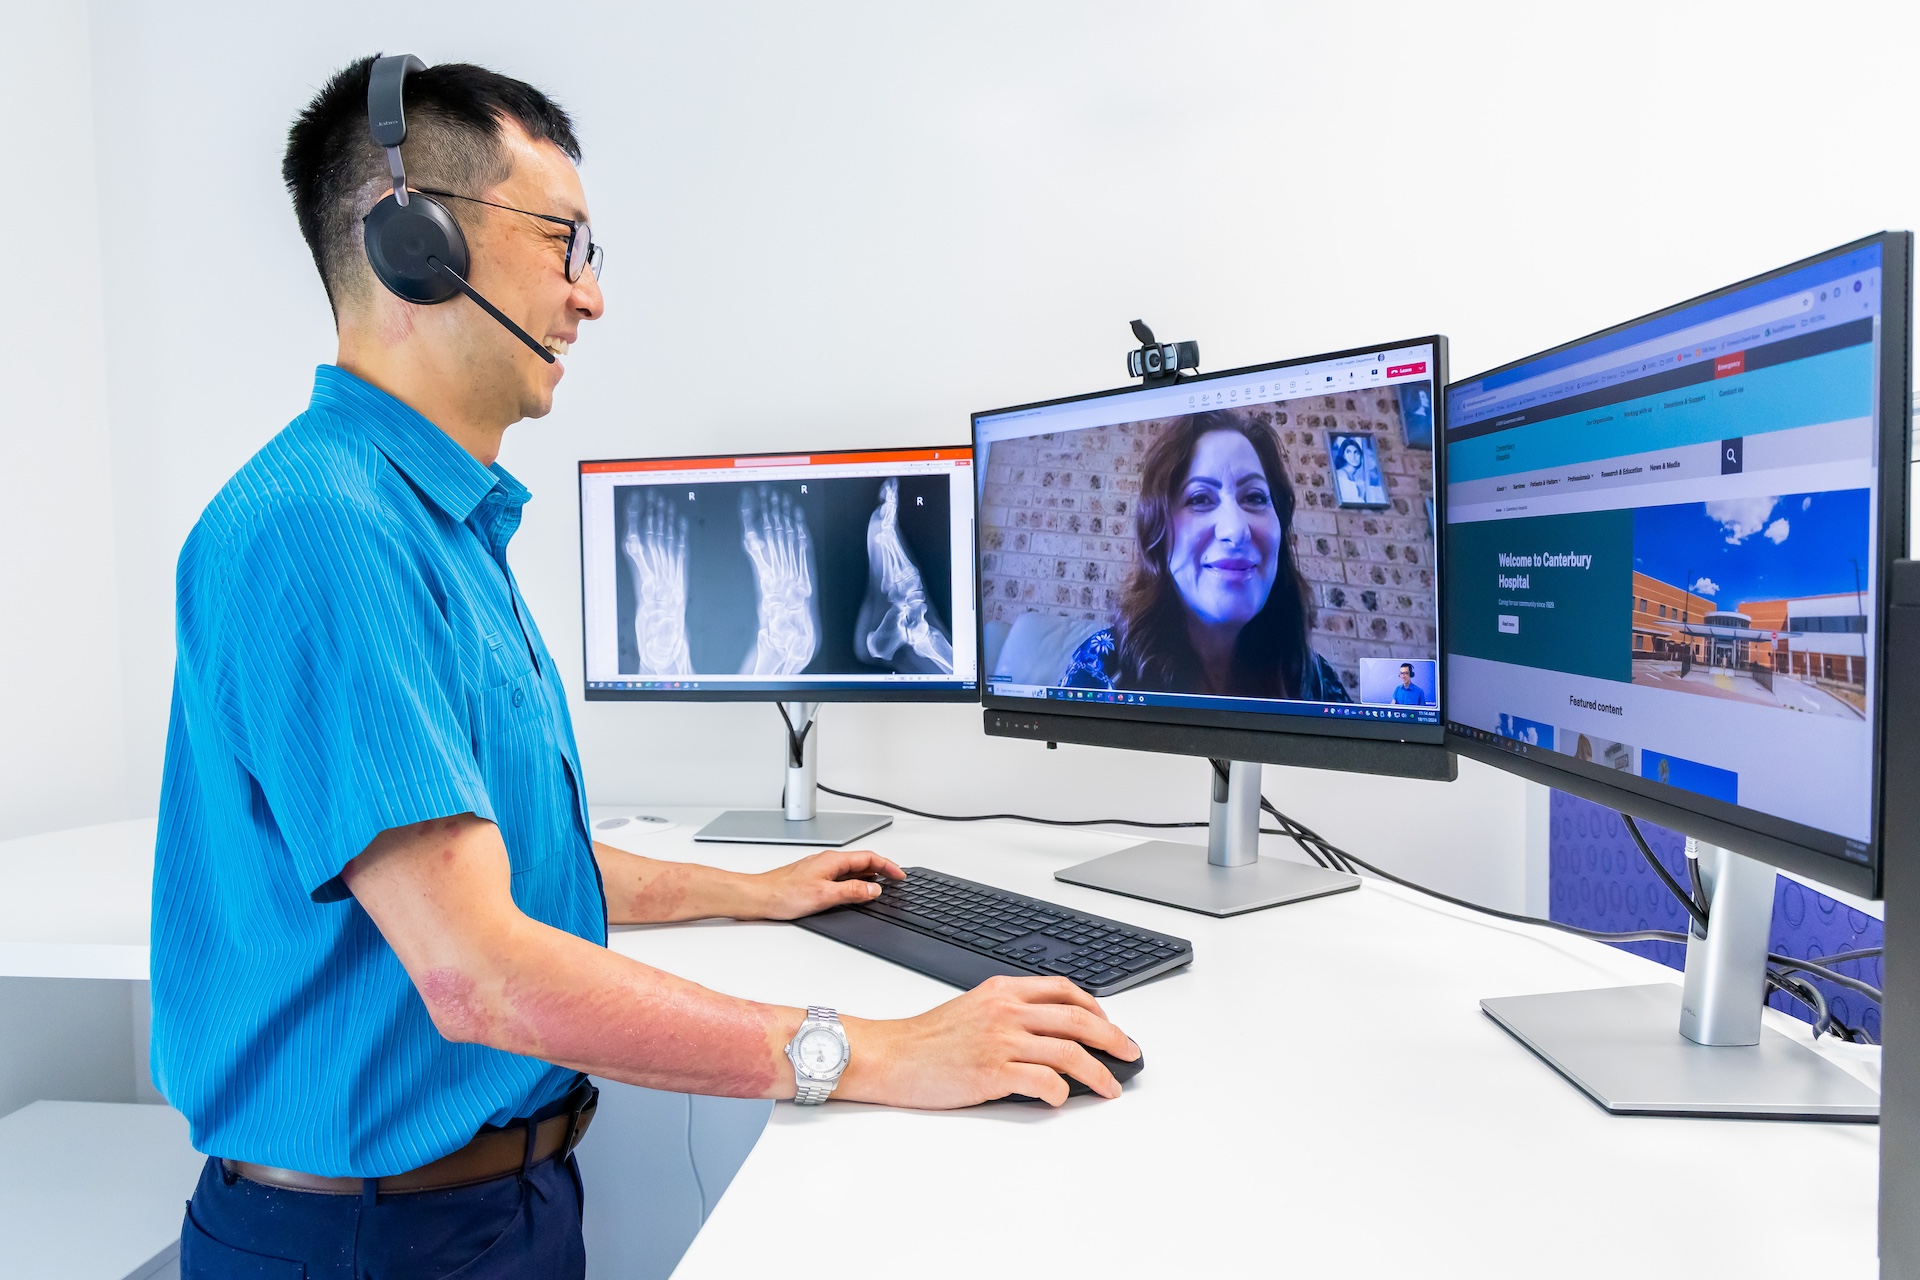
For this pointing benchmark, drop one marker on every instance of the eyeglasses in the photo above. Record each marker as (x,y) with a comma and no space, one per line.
(582,252)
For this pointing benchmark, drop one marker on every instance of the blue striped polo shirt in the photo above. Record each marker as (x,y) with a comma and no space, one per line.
(353,655)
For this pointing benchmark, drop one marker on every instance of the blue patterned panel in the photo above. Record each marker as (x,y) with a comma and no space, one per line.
(1597,879)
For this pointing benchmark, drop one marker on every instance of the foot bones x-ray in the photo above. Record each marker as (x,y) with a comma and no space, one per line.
(656,552)
(772,579)
(775,537)
(894,613)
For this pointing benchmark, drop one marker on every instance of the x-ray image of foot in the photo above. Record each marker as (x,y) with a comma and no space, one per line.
(776,541)
(894,615)
(656,547)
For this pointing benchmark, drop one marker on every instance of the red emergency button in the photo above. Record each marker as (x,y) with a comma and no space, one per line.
(1727,366)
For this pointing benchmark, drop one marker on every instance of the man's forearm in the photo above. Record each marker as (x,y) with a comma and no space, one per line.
(546,994)
(647,891)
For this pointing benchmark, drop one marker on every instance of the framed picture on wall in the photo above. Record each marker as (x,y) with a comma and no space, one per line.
(1416,414)
(1356,470)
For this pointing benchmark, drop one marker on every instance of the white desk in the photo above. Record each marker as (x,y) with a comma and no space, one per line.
(1322,1095)
(1321,1087)
(93,1191)
(76,904)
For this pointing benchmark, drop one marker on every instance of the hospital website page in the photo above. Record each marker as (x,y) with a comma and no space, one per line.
(1660,550)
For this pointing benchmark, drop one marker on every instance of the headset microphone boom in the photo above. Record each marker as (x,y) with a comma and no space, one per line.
(415,247)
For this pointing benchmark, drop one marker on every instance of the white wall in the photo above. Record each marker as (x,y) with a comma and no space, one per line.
(839,224)
(61,727)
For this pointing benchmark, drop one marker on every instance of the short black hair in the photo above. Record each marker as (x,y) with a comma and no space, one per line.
(455,113)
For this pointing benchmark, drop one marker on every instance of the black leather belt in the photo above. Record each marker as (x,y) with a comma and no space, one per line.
(493,1153)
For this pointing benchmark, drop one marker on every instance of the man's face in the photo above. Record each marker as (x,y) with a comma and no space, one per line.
(520,265)
(1406,677)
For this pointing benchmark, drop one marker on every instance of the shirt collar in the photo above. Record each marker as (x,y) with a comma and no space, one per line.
(428,456)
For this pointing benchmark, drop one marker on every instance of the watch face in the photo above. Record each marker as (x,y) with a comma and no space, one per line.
(820,1052)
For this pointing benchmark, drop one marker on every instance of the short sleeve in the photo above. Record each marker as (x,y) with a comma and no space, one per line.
(343,686)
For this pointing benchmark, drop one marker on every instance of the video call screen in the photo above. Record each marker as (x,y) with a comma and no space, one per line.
(782,574)
(1262,541)
(1662,550)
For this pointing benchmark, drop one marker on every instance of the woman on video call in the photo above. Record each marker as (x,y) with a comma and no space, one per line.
(1216,604)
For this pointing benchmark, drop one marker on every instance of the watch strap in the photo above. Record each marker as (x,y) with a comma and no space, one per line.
(812,1092)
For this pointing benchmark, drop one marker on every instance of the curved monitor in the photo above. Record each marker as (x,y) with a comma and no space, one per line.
(1242,565)
(1669,552)
(841,576)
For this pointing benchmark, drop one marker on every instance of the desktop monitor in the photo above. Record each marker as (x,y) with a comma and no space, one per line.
(1243,566)
(1670,551)
(796,579)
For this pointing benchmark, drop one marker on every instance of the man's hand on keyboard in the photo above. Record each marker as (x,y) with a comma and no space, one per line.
(1007,1035)
(816,883)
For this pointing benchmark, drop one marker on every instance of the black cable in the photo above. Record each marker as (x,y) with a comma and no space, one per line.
(1007,817)
(1638,935)
(1841,957)
(1819,970)
(796,741)
(1792,987)
(1808,994)
(1319,847)
(1694,908)
(1815,966)
(1693,878)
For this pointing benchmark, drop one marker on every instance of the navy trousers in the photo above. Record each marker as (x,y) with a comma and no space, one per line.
(512,1226)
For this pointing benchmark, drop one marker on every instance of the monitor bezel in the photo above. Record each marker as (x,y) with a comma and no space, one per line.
(1380,748)
(889,692)
(1790,846)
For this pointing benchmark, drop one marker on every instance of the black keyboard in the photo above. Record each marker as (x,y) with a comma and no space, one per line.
(964,933)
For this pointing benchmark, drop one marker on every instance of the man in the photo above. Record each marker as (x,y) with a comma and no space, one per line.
(1407,693)
(379,921)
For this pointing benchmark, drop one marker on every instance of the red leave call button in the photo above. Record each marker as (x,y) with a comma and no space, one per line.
(1727,366)
(1402,370)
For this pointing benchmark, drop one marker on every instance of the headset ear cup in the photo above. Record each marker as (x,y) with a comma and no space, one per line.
(404,241)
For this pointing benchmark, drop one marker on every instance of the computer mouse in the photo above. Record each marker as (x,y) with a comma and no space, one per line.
(1123,1071)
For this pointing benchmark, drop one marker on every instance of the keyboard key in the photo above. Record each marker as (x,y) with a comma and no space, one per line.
(1135,966)
(1061,967)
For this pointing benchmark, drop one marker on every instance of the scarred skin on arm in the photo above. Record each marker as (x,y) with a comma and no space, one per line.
(440,894)
(489,974)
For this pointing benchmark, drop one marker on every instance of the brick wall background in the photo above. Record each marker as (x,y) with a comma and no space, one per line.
(1057,527)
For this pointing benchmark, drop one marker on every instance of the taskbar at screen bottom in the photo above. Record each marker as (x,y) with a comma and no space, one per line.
(1187,701)
(786,690)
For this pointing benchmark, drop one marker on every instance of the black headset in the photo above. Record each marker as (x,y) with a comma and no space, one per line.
(413,244)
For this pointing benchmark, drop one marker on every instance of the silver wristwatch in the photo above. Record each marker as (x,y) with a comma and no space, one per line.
(819,1054)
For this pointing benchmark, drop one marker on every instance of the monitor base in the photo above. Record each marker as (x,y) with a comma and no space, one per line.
(1622,1047)
(1180,875)
(772,826)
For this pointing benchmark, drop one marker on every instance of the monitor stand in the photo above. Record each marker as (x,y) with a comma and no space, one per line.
(799,822)
(1224,879)
(1698,1049)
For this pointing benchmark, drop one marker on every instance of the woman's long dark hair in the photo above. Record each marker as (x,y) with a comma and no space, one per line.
(1153,649)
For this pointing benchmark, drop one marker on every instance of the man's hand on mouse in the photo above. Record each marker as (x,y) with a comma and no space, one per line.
(1007,1035)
